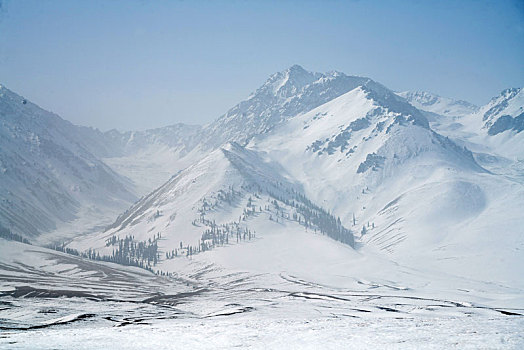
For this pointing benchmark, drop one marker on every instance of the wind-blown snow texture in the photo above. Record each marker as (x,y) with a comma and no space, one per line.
(324,208)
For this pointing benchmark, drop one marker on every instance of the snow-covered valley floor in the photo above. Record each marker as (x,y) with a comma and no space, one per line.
(58,301)
(249,331)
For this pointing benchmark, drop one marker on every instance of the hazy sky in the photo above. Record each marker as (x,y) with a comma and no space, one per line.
(143,64)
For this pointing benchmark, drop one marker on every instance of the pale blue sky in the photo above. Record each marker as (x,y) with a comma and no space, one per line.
(143,64)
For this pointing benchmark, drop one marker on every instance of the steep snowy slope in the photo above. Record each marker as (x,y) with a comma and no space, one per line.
(358,140)
(47,176)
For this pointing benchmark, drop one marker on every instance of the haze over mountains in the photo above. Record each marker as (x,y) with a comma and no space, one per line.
(328,178)
(49,172)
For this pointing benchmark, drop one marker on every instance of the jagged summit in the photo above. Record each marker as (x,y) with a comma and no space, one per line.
(297,68)
(286,83)
(284,95)
(504,112)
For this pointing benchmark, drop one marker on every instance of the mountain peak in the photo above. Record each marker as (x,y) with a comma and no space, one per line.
(284,95)
(296,68)
(287,82)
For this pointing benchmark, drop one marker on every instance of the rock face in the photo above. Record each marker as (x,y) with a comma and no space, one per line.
(507,122)
(504,112)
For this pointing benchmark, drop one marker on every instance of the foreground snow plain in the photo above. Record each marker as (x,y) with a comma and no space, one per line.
(256,333)
(224,300)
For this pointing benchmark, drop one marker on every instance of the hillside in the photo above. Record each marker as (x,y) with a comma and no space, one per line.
(49,177)
(226,198)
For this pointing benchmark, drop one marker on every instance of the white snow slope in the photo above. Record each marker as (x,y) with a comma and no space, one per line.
(499,124)
(284,95)
(54,300)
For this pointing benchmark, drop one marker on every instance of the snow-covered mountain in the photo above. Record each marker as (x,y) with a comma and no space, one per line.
(495,129)
(415,195)
(284,95)
(219,171)
(501,124)
(504,112)
(48,177)
(320,197)
(367,157)
(433,103)
(150,157)
(356,142)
